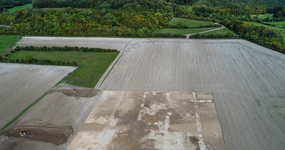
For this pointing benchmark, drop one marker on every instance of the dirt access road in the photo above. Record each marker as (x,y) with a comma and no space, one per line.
(21,85)
(246,80)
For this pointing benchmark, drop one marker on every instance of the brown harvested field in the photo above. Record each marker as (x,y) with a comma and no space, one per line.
(21,85)
(53,121)
(247,80)
(125,120)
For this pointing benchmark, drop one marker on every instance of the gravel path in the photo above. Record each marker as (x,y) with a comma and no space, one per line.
(204,31)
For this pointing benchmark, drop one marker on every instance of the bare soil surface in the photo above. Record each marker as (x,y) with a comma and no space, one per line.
(53,121)
(112,43)
(247,80)
(21,85)
(42,132)
(124,120)
(76,92)
(239,74)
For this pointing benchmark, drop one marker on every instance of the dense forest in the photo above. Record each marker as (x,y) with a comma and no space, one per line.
(11,3)
(241,3)
(89,22)
(154,4)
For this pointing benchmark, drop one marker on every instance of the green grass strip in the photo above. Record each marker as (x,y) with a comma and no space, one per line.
(22,112)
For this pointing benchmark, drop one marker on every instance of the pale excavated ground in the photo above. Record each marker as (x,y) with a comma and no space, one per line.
(21,85)
(53,122)
(132,120)
(247,82)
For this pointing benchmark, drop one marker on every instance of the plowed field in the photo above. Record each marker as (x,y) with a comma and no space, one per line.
(247,80)
(21,85)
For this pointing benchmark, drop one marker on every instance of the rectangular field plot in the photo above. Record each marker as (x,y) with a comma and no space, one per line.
(150,120)
(21,85)
(246,79)
(112,43)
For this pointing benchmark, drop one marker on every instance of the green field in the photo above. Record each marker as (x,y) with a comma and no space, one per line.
(14,9)
(263,16)
(270,27)
(189,22)
(8,41)
(279,23)
(182,31)
(223,31)
(92,65)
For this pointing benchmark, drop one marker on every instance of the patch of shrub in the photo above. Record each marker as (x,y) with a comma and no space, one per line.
(66,48)
(30,60)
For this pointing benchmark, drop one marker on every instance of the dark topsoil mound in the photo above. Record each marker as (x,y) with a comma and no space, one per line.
(43,132)
(79,92)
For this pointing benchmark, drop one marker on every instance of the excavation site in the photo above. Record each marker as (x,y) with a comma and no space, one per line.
(157,94)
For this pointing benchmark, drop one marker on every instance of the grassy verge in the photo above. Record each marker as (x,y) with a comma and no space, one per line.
(279,23)
(14,9)
(263,16)
(189,22)
(92,65)
(22,112)
(182,31)
(8,41)
(223,31)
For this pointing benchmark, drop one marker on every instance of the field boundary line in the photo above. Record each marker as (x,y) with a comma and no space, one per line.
(104,76)
(26,109)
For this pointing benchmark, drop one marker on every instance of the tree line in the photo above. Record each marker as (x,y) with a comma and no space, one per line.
(30,60)
(12,3)
(213,36)
(89,22)
(65,48)
(261,35)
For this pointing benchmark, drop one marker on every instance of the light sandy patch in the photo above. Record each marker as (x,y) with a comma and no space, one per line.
(161,125)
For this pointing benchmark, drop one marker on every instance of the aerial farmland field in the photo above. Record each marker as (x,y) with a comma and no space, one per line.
(246,81)
(21,85)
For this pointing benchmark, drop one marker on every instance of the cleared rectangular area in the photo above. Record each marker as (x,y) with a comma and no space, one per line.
(150,120)
(112,43)
(247,81)
(21,85)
